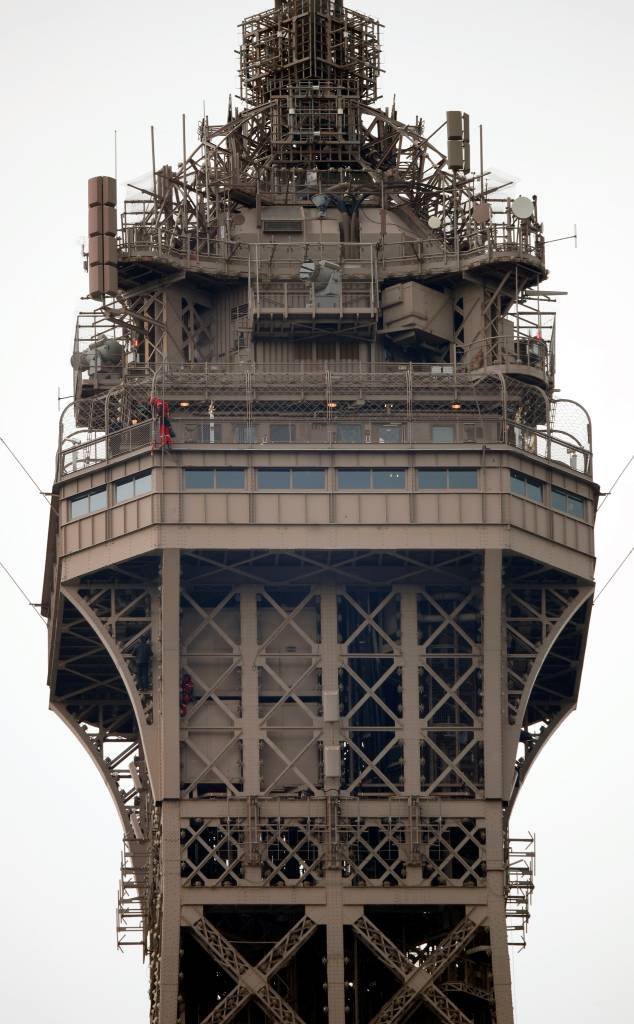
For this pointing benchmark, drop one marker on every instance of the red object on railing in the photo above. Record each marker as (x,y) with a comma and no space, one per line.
(166,432)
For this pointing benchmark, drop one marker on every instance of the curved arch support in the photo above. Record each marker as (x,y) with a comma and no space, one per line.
(584,595)
(110,782)
(147,733)
(538,746)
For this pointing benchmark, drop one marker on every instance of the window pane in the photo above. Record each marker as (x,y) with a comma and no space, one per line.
(124,490)
(79,506)
(353,479)
(309,479)
(388,479)
(199,478)
(463,477)
(274,479)
(443,435)
(576,506)
(389,434)
(281,433)
(229,478)
(518,483)
(559,500)
(350,432)
(533,490)
(432,479)
(143,483)
(98,500)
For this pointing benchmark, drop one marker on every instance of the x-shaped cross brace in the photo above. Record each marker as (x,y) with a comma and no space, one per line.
(418,980)
(251,982)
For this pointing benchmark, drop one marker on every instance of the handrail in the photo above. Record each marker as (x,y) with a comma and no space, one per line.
(97,429)
(79,456)
(139,237)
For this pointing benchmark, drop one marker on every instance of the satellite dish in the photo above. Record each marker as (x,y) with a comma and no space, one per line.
(522,207)
(482,213)
(434,222)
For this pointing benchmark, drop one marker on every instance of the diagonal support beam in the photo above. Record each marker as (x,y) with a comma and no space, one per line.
(395,960)
(287,947)
(418,983)
(252,982)
(418,980)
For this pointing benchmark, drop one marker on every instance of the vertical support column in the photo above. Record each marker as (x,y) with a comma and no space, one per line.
(173,339)
(332,785)
(169,682)
(494,704)
(170,913)
(492,672)
(169,734)
(250,722)
(496,899)
(410,696)
(335,965)
(330,689)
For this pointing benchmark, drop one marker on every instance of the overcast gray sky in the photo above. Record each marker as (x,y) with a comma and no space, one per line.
(552,84)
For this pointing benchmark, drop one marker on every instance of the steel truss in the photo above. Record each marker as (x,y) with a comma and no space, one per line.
(252,982)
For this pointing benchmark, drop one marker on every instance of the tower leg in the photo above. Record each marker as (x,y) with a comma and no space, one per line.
(170,914)
(168,692)
(335,968)
(500,960)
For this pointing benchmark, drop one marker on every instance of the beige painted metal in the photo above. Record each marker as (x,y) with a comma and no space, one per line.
(343,688)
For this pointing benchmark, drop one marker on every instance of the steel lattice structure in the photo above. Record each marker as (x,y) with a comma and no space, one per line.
(320,562)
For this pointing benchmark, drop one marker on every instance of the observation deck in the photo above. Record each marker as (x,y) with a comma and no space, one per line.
(145,247)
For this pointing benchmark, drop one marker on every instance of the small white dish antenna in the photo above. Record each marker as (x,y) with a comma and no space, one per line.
(522,207)
(482,213)
(434,222)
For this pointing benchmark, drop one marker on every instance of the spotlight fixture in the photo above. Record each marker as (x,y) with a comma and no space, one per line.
(331,405)
(456,405)
(184,405)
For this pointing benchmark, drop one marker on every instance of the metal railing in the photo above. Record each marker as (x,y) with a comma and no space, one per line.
(498,237)
(140,235)
(83,450)
(520,885)
(233,405)
(132,914)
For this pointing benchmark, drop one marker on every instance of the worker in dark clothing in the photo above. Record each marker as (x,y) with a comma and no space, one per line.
(186,694)
(142,658)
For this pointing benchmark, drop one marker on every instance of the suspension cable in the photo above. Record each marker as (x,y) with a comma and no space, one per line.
(25,470)
(619,566)
(611,489)
(23,592)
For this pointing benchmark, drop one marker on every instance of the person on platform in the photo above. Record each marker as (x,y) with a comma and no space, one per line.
(142,659)
(166,431)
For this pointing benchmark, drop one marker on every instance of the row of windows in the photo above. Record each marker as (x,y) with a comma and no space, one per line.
(97,499)
(302,479)
(307,479)
(345,433)
(563,501)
